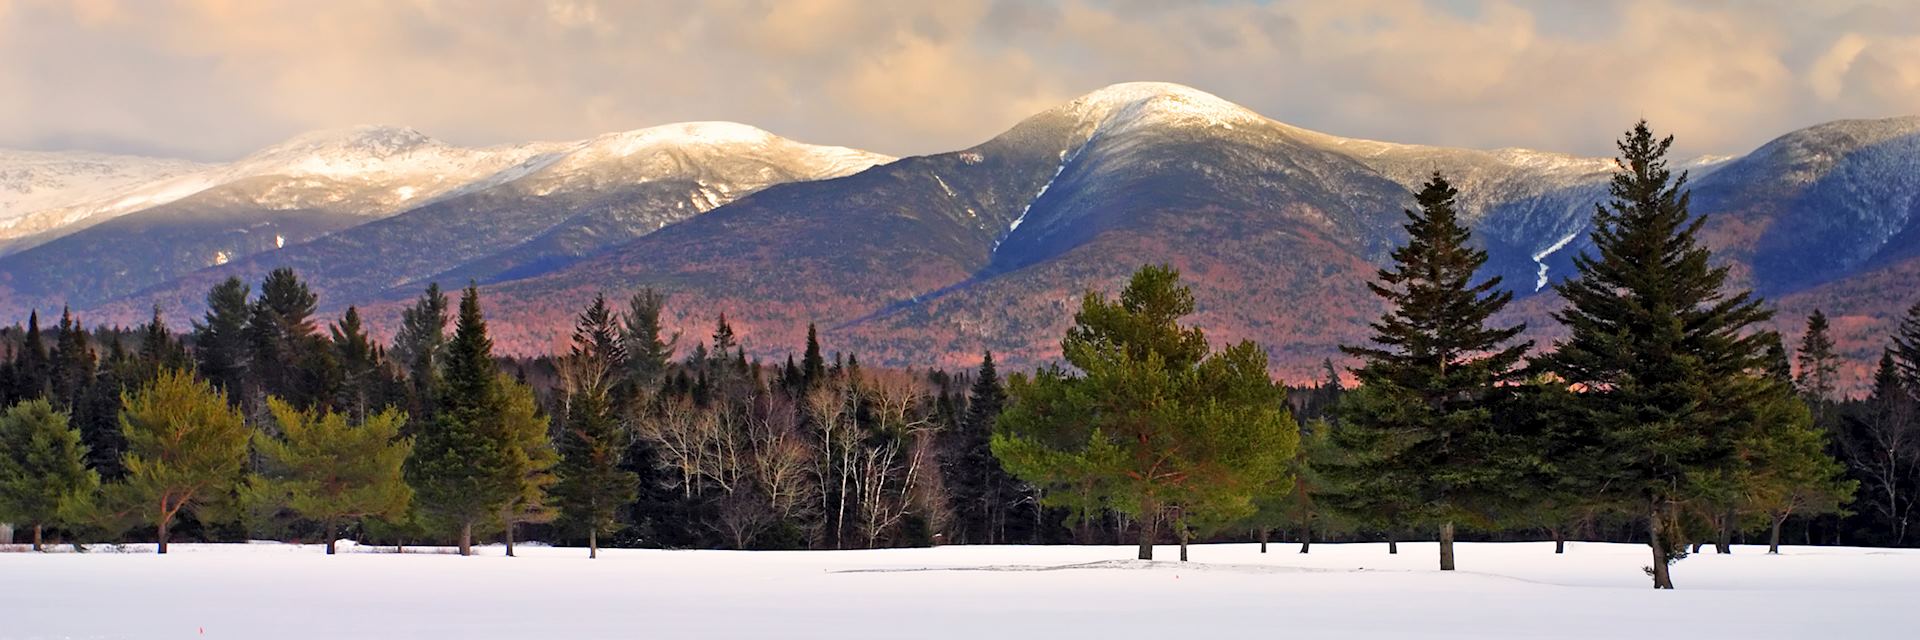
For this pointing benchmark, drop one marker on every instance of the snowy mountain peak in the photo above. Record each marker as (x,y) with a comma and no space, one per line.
(373,141)
(1133,104)
(683,134)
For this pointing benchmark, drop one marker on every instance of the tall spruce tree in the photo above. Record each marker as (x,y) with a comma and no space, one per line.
(593,486)
(460,469)
(1147,420)
(813,366)
(74,362)
(220,342)
(985,498)
(1661,353)
(1819,364)
(420,348)
(44,477)
(648,351)
(1422,419)
(289,357)
(159,348)
(362,374)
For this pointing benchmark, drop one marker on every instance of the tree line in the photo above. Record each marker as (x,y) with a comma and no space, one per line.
(1667,416)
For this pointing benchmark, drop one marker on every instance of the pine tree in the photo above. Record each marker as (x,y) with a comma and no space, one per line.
(984,496)
(1422,419)
(420,348)
(813,367)
(514,422)
(647,353)
(221,342)
(1788,469)
(360,366)
(329,471)
(74,362)
(289,358)
(1819,364)
(185,448)
(592,484)
(1147,420)
(1662,354)
(44,478)
(32,369)
(159,348)
(461,470)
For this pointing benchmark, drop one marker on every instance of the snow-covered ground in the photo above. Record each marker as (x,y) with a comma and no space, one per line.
(1339,591)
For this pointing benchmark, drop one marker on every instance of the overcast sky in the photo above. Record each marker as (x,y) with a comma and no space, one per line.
(214,79)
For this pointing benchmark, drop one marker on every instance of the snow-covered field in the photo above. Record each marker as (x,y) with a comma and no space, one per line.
(1517,590)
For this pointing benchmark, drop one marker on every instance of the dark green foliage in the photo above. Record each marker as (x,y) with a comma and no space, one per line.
(647,351)
(1422,448)
(220,343)
(1661,353)
(420,347)
(1147,423)
(44,479)
(327,470)
(290,359)
(1819,364)
(985,499)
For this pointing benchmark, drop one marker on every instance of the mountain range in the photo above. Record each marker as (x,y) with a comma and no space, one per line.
(929,260)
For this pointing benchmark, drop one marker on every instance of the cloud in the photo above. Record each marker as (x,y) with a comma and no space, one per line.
(214,79)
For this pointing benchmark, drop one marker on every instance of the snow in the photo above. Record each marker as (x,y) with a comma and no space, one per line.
(1144,104)
(1505,590)
(1540,258)
(1065,160)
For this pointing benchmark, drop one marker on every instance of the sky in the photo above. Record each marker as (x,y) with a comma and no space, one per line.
(216,79)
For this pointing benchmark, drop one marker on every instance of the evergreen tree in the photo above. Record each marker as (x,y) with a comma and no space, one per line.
(1422,419)
(461,470)
(1819,364)
(73,362)
(185,448)
(361,371)
(593,485)
(647,352)
(420,347)
(1662,354)
(159,348)
(813,367)
(221,342)
(1788,469)
(1147,421)
(43,473)
(32,369)
(329,471)
(514,422)
(984,497)
(290,358)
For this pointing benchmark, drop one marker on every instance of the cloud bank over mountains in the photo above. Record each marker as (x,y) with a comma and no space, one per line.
(211,79)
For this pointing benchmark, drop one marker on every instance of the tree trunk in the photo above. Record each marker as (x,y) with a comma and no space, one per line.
(466,539)
(1723,545)
(1306,538)
(1184,535)
(162,534)
(1149,520)
(1773,541)
(1393,545)
(1559,541)
(1263,540)
(330,536)
(1656,539)
(593,543)
(509,536)
(36,538)
(1446,547)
